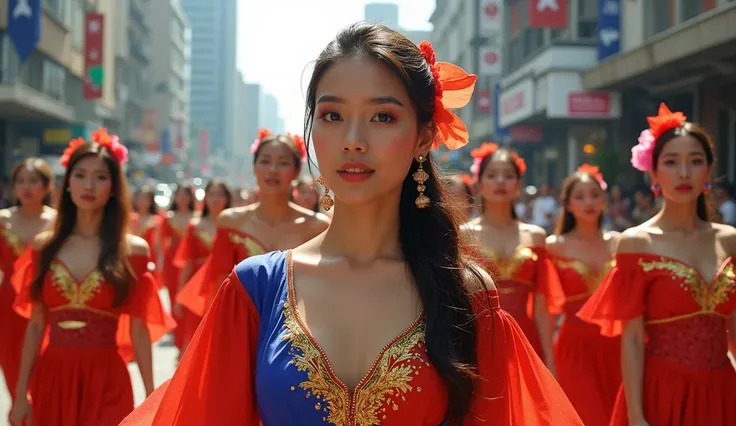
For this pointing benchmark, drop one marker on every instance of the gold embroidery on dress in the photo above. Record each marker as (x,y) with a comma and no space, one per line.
(506,268)
(13,241)
(591,278)
(708,299)
(251,246)
(206,238)
(76,294)
(384,388)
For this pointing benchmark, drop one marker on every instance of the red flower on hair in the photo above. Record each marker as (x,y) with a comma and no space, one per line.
(665,120)
(453,89)
(301,145)
(102,138)
(73,145)
(489,148)
(262,133)
(594,171)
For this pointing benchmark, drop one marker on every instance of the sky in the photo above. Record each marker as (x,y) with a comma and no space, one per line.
(278,39)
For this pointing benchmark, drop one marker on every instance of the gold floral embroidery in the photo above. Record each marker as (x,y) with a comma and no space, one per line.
(592,278)
(385,386)
(707,298)
(506,268)
(206,238)
(13,241)
(251,246)
(77,294)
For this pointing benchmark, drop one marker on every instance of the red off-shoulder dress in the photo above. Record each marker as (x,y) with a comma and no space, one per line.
(230,247)
(528,271)
(688,378)
(80,377)
(171,237)
(12,325)
(588,364)
(193,250)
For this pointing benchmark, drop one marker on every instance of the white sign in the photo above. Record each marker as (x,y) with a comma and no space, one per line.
(490,61)
(491,16)
(516,103)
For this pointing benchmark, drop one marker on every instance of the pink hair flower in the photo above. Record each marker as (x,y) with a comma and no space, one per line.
(642,155)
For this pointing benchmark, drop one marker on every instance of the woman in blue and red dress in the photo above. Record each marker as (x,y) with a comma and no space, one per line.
(87,288)
(381,319)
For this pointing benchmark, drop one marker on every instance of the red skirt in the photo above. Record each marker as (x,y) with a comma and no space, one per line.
(80,387)
(588,369)
(12,335)
(186,325)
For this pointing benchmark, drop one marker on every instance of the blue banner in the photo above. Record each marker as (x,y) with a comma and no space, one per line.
(165,142)
(24,25)
(609,28)
(497,130)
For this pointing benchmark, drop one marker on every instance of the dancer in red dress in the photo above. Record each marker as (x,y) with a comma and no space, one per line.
(672,294)
(291,336)
(588,364)
(88,291)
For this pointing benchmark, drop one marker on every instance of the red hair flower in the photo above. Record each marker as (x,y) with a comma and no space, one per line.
(453,89)
(595,172)
(102,138)
(665,120)
(301,145)
(642,155)
(486,150)
(262,133)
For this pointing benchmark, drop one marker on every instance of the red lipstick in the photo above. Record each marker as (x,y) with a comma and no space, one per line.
(355,172)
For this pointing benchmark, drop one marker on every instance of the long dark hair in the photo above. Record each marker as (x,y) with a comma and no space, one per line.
(147,191)
(703,204)
(502,154)
(228,195)
(566,221)
(284,139)
(113,259)
(430,237)
(40,167)
(190,192)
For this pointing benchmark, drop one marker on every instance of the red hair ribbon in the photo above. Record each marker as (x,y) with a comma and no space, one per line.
(453,89)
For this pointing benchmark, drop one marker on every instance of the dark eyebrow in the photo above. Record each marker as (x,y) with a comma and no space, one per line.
(674,154)
(330,98)
(381,100)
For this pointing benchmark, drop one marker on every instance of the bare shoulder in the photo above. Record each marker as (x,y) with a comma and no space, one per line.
(233,217)
(477,279)
(634,240)
(726,234)
(555,243)
(537,233)
(5,215)
(48,214)
(137,245)
(471,230)
(40,240)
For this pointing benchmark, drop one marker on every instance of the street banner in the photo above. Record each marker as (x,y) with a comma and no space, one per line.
(609,28)
(94,45)
(547,14)
(24,26)
(490,61)
(491,16)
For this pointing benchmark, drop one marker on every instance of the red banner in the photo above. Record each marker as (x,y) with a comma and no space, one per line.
(547,13)
(483,101)
(94,45)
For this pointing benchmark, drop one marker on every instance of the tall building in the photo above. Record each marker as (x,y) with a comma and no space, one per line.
(169,75)
(388,14)
(269,116)
(251,121)
(213,82)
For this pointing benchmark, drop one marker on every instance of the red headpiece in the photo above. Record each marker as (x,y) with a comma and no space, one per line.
(453,89)
(486,150)
(642,155)
(102,138)
(594,171)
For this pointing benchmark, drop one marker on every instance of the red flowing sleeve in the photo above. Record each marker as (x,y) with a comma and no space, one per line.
(547,282)
(143,303)
(187,247)
(201,287)
(24,272)
(619,298)
(214,383)
(515,388)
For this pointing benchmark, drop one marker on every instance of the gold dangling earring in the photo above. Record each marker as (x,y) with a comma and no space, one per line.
(420,176)
(325,201)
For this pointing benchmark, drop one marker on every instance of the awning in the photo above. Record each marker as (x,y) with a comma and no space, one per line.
(22,102)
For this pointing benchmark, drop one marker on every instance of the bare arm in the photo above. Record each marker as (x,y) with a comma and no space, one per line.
(142,347)
(632,368)
(545,328)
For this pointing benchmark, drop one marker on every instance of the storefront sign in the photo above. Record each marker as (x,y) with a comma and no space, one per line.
(483,102)
(526,133)
(491,16)
(490,61)
(516,103)
(547,13)
(588,104)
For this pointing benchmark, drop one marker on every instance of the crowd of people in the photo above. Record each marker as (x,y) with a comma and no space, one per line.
(385,291)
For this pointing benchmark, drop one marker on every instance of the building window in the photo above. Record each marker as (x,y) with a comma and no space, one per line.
(77,25)
(660,16)
(690,9)
(55,7)
(54,80)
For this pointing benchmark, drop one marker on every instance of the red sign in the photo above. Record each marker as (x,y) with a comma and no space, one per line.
(588,103)
(515,21)
(204,143)
(513,103)
(179,134)
(547,13)
(94,30)
(526,133)
(483,101)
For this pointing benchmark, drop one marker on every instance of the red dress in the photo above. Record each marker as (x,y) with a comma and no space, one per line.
(12,325)
(193,250)
(80,377)
(252,362)
(230,247)
(171,239)
(688,378)
(588,364)
(528,271)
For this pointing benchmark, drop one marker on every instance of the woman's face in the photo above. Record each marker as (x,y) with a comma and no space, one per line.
(499,182)
(587,200)
(274,168)
(90,183)
(29,187)
(142,202)
(365,131)
(183,199)
(306,195)
(682,169)
(216,198)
